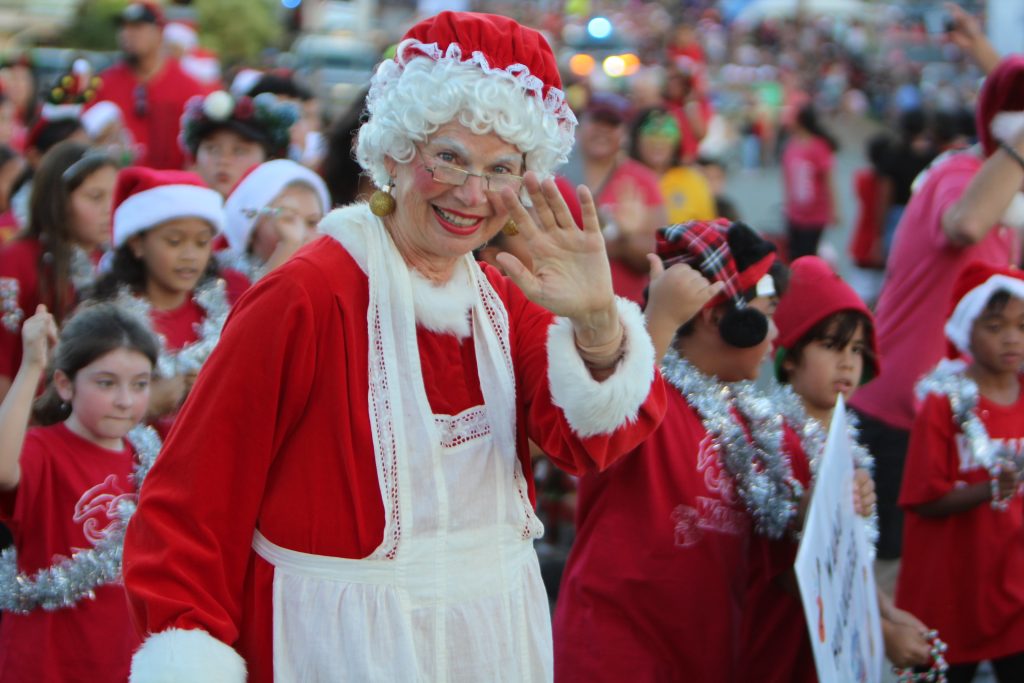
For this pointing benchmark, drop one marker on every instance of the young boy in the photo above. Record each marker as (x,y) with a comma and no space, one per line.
(963,560)
(654,586)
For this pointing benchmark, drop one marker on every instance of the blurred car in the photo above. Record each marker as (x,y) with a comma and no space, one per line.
(336,68)
(587,52)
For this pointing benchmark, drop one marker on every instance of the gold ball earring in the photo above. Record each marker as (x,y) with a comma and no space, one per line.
(381,202)
(510,228)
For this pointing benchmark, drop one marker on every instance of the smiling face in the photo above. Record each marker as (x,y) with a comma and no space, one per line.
(90,208)
(108,396)
(827,367)
(176,254)
(434,224)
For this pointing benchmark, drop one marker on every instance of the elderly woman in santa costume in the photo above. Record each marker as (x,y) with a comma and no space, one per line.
(348,495)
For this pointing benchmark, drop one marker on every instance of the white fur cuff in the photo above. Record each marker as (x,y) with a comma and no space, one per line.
(178,655)
(591,407)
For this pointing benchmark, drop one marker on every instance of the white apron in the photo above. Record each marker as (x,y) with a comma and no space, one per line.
(453,593)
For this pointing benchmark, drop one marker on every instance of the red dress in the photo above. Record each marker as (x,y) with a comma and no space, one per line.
(963,574)
(654,586)
(66,500)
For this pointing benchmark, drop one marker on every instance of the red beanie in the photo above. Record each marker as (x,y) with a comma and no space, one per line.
(816,292)
(1003,91)
(972,291)
(146,197)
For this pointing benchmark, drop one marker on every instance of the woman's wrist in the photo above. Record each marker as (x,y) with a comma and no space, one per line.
(598,328)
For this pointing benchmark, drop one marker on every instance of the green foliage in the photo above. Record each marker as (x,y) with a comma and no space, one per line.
(238,30)
(93,27)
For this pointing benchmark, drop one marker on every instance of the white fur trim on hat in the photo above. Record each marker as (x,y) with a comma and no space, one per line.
(591,407)
(958,327)
(182,35)
(96,119)
(177,655)
(1007,125)
(59,112)
(257,190)
(147,209)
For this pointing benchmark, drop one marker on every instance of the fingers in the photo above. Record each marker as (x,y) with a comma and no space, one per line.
(591,222)
(518,273)
(563,217)
(657,267)
(524,221)
(541,201)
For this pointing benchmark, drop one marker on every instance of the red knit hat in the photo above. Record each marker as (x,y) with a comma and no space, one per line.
(973,289)
(815,293)
(1003,91)
(499,46)
(146,197)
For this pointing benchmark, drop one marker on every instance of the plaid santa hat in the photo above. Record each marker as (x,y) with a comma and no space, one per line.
(730,253)
(145,197)
(974,288)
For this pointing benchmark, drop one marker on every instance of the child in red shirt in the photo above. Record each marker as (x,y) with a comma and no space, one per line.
(654,585)
(164,226)
(826,347)
(810,204)
(66,490)
(54,258)
(963,559)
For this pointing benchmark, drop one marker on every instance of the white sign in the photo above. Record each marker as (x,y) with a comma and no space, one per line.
(834,570)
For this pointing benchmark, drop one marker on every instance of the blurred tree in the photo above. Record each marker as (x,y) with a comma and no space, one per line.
(94,26)
(238,30)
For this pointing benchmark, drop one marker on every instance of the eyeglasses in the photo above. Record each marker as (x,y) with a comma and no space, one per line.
(453,175)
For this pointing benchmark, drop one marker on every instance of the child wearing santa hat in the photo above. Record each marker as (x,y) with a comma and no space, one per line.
(826,347)
(963,559)
(654,585)
(272,212)
(226,135)
(164,226)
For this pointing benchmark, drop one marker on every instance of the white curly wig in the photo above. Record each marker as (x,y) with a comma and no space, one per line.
(409,99)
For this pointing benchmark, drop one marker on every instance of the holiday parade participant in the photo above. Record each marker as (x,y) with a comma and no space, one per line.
(164,226)
(308,144)
(808,159)
(962,555)
(654,585)
(272,212)
(967,209)
(53,260)
(67,487)
(347,495)
(149,86)
(228,135)
(826,347)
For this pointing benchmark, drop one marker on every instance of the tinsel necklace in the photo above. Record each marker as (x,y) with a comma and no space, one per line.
(211,296)
(812,437)
(65,583)
(949,379)
(760,469)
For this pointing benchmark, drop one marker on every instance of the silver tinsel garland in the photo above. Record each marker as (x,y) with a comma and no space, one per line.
(245,263)
(211,296)
(761,470)
(813,437)
(73,578)
(950,380)
(81,269)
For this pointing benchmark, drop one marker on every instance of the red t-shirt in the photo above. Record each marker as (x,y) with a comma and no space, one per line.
(963,574)
(806,164)
(654,585)
(774,644)
(914,303)
(152,110)
(627,282)
(866,243)
(66,501)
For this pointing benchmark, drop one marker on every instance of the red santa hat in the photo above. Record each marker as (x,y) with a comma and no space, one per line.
(973,290)
(1000,113)
(499,46)
(815,292)
(145,197)
(257,189)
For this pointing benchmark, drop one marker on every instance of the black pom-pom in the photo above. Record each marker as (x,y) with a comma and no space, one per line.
(743,327)
(746,245)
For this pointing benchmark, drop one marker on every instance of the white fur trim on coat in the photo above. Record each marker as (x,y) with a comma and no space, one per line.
(591,407)
(177,655)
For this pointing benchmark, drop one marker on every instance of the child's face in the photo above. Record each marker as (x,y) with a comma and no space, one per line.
(90,208)
(108,396)
(826,369)
(746,363)
(224,156)
(175,253)
(300,213)
(997,338)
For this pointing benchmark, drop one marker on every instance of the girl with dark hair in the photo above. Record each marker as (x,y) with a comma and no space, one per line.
(810,199)
(164,226)
(54,258)
(66,490)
